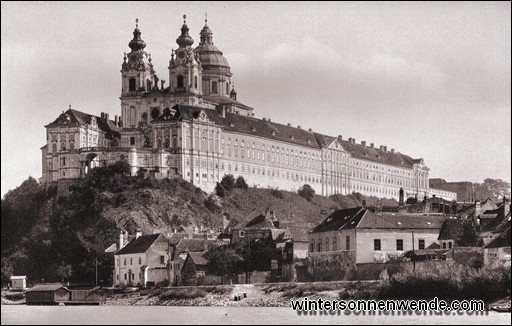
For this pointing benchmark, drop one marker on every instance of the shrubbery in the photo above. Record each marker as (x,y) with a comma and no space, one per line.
(449,281)
(307,192)
(183,293)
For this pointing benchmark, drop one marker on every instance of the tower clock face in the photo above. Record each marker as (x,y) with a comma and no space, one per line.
(181,54)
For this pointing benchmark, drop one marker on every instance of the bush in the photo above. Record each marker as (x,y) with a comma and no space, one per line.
(183,293)
(277,193)
(449,281)
(228,182)
(241,184)
(307,192)
(219,190)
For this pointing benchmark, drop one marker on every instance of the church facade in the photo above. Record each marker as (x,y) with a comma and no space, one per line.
(196,129)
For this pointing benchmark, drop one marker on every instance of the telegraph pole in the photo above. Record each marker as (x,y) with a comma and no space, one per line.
(413,256)
(96,263)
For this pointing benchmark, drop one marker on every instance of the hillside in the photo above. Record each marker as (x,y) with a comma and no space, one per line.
(56,233)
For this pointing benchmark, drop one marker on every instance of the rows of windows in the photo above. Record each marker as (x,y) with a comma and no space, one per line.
(325,244)
(377,245)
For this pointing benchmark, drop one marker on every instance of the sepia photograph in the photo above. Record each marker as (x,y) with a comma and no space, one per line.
(270,162)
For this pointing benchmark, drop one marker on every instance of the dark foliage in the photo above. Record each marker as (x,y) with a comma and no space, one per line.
(307,192)
(228,182)
(241,184)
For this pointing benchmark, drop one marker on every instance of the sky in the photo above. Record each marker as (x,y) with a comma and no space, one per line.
(431,80)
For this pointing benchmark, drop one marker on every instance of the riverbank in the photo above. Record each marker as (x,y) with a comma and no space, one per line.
(247,295)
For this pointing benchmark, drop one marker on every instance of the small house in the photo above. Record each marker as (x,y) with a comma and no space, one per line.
(194,268)
(48,294)
(498,250)
(19,283)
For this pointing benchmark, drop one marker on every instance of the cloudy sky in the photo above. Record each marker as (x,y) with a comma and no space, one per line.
(431,80)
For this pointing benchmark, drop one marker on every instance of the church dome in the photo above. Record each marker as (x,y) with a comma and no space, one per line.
(211,57)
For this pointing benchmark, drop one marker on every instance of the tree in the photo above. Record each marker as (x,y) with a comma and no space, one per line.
(219,190)
(64,271)
(224,261)
(228,182)
(469,237)
(307,192)
(241,184)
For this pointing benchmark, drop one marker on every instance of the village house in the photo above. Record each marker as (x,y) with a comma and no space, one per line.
(352,237)
(498,250)
(18,283)
(142,262)
(194,269)
(48,294)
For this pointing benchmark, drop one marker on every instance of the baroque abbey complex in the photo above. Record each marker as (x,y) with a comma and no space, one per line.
(196,129)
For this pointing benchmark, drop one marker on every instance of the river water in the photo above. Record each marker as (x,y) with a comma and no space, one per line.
(21,314)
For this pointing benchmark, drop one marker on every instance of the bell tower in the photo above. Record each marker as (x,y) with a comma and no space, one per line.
(137,69)
(185,71)
(138,77)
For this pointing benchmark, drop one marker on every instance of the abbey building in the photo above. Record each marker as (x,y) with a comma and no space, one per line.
(195,128)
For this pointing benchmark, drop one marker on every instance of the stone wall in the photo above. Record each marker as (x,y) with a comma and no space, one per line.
(335,266)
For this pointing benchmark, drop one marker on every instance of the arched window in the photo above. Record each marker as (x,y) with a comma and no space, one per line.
(166,142)
(180,81)
(62,146)
(195,82)
(54,148)
(131,86)
(214,87)
(174,142)
(71,145)
(159,143)
(227,88)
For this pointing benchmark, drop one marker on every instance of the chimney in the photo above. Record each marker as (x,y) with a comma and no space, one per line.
(106,117)
(289,124)
(350,140)
(121,240)
(478,208)
(102,115)
(385,149)
(371,145)
(116,120)
(363,143)
(392,151)
(264,119)
(138,233)
(340,137)
(401,198)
